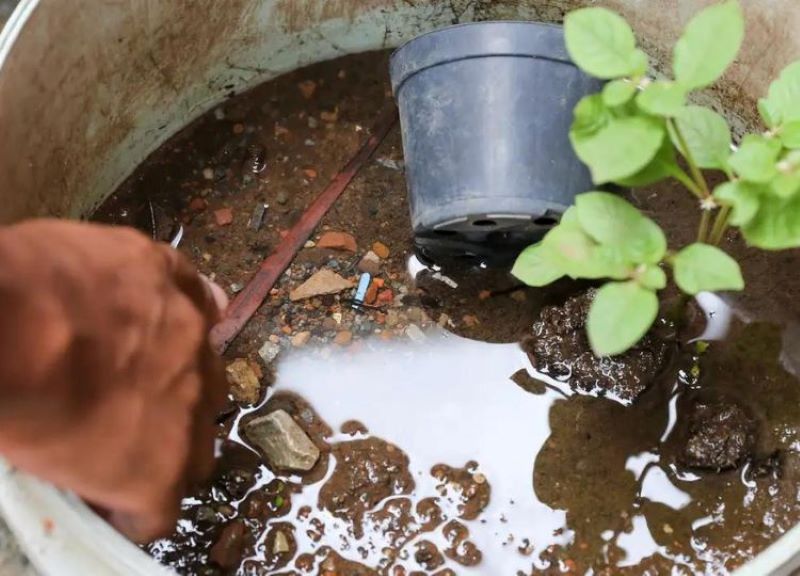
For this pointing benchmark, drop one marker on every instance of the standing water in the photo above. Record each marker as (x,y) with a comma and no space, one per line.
(442,449)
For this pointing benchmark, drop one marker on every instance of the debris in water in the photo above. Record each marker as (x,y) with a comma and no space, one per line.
(364,284)
(415,333)
(223,216)
(330,117)
(338,241)
(256,161)
(283,443)
(390,164)
(307,88)
(381,250)
(176,240)
(281,543)
(257,218)
(343,338)
(370,263)
(269,351)
(301,339)
(325,281)
(245,380)
(231,545)
(528,383)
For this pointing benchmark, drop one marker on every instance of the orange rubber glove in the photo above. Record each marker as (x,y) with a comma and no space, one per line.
(108,384)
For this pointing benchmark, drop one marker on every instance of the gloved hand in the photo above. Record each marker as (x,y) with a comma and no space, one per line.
(108,384)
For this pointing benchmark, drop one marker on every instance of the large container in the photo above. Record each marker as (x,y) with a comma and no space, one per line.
(485,110)
(89,87)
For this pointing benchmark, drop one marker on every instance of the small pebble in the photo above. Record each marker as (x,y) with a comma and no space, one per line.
(415,333)
(343,338)
(307,89)
(312,122)
(223,216)
(219,113)
(269,351)
(237,287)
(329,117)
(381,250)
(208,173)
(283,197)
(309,244)
(301,339)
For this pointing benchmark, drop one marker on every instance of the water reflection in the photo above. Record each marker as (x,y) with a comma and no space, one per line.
(578,484)
(449,400)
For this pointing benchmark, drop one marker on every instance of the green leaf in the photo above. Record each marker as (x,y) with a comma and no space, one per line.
(536,266)
(660,167)
(610,220)
(790,135)
(620,149)
(620,316)
(578,256)
(784,185)
(707,136)
(651,276)
(590,116)
(705,268)
(601,43)
(662,99)
(776,225)
(709,45)
(618,92)
(782,104)
(767,113)
(741,197)
(756,159)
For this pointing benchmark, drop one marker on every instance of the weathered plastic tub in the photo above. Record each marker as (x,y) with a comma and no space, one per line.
(88,88)
(485,110)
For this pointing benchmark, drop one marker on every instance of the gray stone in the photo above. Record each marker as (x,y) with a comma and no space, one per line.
(370,263)
(282,442)
(269,351)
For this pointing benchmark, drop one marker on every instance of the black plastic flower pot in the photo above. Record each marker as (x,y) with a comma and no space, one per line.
(485,110)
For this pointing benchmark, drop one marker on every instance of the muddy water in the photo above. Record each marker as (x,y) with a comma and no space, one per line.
(445,453)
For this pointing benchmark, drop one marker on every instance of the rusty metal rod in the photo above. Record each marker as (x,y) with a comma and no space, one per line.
(250,299)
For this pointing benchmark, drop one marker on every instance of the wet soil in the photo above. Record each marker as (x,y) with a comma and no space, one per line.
(443,448)
(560,348)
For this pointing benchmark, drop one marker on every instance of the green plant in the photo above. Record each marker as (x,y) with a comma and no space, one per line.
(635,133)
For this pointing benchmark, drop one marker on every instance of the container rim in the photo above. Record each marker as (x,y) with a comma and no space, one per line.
(517,40)
(472,25)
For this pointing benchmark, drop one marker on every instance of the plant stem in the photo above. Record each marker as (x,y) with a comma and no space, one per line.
(705,219)
(697,175)
(686,180)
(720,225)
